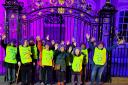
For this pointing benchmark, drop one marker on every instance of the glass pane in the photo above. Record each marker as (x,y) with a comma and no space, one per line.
(124,26)
(120,26)
(122,13)
(125,19)
(121,20)
(126,13)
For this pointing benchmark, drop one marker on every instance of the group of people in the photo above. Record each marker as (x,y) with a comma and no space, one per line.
(60,62)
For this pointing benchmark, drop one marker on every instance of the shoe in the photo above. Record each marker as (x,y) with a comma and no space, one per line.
(42,83)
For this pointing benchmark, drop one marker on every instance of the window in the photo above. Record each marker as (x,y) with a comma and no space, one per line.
(123,25)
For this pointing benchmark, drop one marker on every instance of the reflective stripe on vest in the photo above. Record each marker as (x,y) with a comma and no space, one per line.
(99,56)
(25,54)
(34,51)
(77,63)
(11,53)
(47,57)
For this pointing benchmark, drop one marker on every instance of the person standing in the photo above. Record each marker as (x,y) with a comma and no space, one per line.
(77,62)
(46,64)
(84,51)
(60,65)
(26,63)
(100,59)
(10,60)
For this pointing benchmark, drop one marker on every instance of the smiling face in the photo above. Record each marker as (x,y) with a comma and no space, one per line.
(53,42)
(83,46)
(25,43)
(62,49)
(12,44)
(31,42)
(100,46)
(77,52)
(47,47)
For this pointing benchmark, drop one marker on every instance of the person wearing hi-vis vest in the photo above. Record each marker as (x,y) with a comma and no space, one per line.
(99,59)
(84,51)
(26,62)
(10,59)
(77,62)
(34,58)
(46,63)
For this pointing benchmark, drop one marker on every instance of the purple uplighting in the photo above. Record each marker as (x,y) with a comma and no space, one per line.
(67,19)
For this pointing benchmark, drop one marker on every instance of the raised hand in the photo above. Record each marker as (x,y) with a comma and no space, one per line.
(38,38)
(70,49)
(3,36)
(47,37)
(56,46)
(120,42)
(73,39)
(88,36)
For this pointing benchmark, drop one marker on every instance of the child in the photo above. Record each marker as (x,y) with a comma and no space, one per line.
(60,65)
(26,61)
(99,59)
(85,53)
(10,60)
(47,64)
(77,62)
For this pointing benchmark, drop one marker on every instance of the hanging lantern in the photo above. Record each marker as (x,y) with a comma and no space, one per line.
(61,10)
(52,10)
(24,17)
(70,11)
(39,3)
(69,2)
(96,20)
(84,1)
(53,2)
(12,16)
(81,14)
(39,13)
(61,2)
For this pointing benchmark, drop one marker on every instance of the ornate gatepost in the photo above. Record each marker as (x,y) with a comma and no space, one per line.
(12,19)
(107,31)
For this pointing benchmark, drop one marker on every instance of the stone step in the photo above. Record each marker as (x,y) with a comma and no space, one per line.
(120,80)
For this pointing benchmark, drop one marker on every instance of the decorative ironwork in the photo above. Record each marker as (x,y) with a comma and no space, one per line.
(54,19)
(106,25)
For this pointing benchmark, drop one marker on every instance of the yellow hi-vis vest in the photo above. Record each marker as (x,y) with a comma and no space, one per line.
(85,52)
(77,63)
(34,51)
(99,57)
(47,57)
(11,53)
(25,54)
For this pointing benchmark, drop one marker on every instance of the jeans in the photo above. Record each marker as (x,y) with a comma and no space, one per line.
(10,74)
(97,70)
(26,74)
(83,74)
(60,76)
(47,75)
(68,74)
(78,75)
